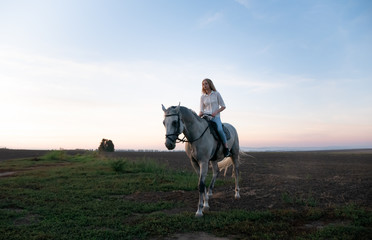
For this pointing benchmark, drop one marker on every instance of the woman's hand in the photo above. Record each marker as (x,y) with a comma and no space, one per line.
(218,111)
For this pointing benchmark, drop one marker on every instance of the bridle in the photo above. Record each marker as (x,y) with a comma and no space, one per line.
(178,132)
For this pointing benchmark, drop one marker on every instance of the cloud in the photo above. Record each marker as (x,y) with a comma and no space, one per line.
(211,18)
(255,85)
(56,99)
(265,50)
(245,3)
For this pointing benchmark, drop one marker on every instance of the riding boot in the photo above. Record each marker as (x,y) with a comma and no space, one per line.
(226,152)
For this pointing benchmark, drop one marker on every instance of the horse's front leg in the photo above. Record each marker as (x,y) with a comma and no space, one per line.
(203,196)
(216,171)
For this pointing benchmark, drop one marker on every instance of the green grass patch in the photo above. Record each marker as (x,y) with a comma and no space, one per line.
(55,155)
(59,196)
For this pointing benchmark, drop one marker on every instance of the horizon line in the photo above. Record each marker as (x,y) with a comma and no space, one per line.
(244,149)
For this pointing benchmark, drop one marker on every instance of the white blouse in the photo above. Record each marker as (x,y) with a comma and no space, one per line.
(211,103)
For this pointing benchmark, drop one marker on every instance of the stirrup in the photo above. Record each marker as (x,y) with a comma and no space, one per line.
(227,152)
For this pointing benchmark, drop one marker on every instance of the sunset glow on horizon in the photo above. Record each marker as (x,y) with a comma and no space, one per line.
(292,74)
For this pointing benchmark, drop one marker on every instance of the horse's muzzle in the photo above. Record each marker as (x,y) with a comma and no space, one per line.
(169,144)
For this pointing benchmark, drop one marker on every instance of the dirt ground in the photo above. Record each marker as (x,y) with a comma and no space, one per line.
(278,180)
(271,180)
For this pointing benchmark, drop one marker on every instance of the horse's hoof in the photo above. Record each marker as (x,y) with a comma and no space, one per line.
(237,196)
(205,208)
(199,214)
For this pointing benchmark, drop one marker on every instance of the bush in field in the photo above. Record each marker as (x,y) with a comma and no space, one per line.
(55,155)
(119,165)
(106,146)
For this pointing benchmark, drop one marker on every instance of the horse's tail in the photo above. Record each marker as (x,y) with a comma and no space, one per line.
(227,162)
(244,154)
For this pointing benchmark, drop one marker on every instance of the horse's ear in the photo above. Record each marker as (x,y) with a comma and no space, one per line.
(164,109)
(178,107)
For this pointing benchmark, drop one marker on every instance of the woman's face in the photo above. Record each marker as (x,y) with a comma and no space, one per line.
(206,86)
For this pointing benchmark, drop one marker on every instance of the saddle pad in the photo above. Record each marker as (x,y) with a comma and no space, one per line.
(214,132)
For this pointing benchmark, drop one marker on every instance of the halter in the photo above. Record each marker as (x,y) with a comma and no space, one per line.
(177,133)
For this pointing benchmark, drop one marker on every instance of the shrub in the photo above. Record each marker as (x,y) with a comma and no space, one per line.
(118,165)
(55,155)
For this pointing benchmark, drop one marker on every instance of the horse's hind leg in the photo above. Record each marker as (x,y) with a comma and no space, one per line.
(216,171)
(235,158)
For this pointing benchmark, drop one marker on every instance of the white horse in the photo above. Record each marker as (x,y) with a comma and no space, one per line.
(201,147)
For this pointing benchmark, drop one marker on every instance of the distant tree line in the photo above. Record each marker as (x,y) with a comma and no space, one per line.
(106,146)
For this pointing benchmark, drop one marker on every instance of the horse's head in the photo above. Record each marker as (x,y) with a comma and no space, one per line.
(173,126)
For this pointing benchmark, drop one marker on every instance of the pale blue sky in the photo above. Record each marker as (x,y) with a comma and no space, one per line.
(292,73)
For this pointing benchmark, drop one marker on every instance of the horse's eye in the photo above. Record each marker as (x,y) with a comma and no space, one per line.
(174,123)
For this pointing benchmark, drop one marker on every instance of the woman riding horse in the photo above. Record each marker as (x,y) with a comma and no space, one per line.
(211,104)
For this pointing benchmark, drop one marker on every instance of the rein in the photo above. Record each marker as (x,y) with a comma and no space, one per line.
(183,139)
(177,133)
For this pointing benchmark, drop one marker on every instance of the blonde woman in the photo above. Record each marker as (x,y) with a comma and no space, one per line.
(211,103)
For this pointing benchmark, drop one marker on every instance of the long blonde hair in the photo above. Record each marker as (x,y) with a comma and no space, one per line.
(211,85)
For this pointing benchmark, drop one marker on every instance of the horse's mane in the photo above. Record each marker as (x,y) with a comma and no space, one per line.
(187,113)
